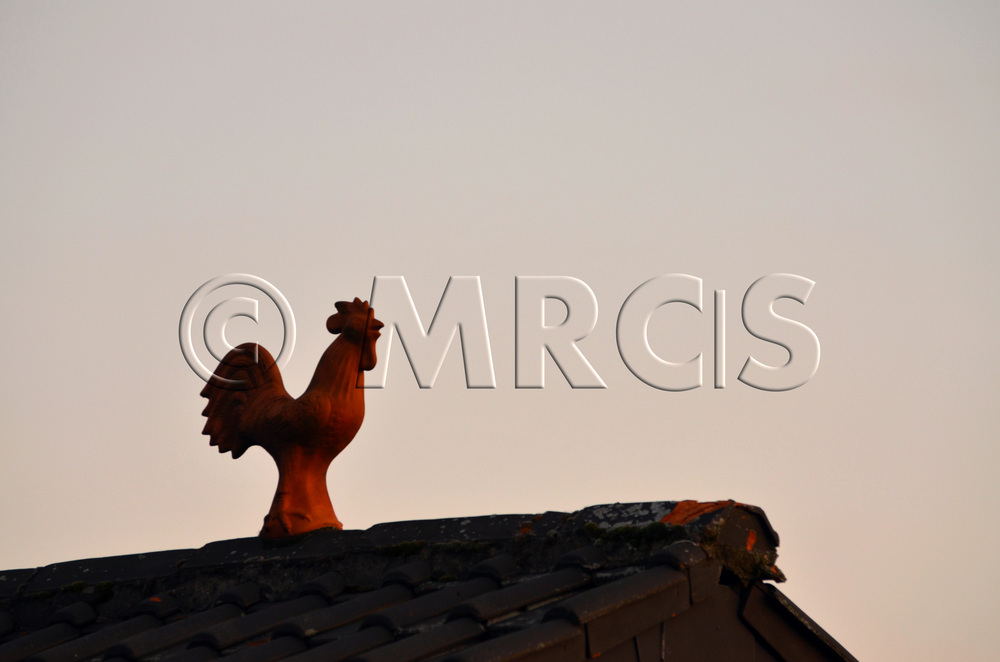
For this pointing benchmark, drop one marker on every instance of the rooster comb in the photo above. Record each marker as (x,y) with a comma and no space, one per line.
(356,307)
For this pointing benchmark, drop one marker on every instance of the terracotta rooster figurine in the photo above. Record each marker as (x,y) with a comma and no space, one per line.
(249,406)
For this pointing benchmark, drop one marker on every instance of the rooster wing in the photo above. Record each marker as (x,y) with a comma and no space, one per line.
(246,384)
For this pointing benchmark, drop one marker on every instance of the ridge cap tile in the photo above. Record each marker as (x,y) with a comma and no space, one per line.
(12,580)
(126,567)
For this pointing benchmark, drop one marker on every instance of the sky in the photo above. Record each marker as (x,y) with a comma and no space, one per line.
(147,148)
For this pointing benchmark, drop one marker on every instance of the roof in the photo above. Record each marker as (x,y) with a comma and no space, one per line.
(645,581)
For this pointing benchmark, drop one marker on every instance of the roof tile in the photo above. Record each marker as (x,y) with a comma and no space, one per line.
(37,641)
(161,606)
(588,558)
(97,642)
(242,595)
(431,642)
(345,647)
(555,641)
(352,609)
(110,569)
(680,555)
(410,575)
(173,633)
(500,568)
(328,586)
(195,654)
(232,631)
(78,614)
(624,608)
(517,596)
(429,605)
(275,649)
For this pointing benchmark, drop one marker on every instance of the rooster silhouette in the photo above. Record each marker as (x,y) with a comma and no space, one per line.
(249,406)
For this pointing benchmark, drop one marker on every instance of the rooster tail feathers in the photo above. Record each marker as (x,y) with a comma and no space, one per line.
(245,375)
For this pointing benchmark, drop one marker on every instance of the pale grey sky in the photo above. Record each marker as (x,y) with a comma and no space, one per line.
(146,148)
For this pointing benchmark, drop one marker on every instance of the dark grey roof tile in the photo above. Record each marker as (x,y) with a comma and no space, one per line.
(97,642)
(228,633)
(680,555)
(499,568)
(703,573)
(78,614)
(704,579)
(332,634)
(275,649)
(172,634)
(430,604)
(345,647)
(554,641)
(195,654)
(517,596)
(588,558)
(242,595)
(624,608)
(161,606)
(37,641)
(410,574)
(329,586)
(6,623)
(516,621)
(420,646)
(352,609)
(602,577)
